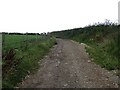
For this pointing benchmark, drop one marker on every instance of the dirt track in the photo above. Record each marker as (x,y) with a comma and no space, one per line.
(68,66)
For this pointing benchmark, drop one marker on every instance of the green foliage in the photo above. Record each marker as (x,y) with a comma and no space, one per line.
(102,58)
(28,59)
(103,40)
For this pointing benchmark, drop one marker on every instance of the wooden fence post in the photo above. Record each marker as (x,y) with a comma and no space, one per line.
(36,37)
(3,38)
(26,40)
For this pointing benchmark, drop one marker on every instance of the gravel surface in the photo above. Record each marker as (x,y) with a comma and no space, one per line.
(69,66)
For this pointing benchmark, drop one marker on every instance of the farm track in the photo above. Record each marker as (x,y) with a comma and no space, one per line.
(69,66)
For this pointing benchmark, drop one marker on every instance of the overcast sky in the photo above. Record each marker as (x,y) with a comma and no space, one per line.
(52,15)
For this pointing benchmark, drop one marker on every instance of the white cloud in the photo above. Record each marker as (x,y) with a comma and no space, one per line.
(50,15)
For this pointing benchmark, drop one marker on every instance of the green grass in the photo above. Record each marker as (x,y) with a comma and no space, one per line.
(28,59)
(106,53)
(103,40)
(104,59)
(15,41)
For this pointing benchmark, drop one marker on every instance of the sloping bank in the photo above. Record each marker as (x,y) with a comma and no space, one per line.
(26,61)
(103,42)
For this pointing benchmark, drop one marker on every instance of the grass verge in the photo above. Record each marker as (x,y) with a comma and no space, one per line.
(28,61)
(102,58)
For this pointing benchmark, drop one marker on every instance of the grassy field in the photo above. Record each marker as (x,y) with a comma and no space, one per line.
(15,41)
(103,40)
(21,54)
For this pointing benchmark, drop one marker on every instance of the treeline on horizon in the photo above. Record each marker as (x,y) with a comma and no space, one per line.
(70,32)
(17,33)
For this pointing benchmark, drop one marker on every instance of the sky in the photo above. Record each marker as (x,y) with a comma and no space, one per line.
(37,16)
